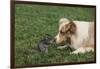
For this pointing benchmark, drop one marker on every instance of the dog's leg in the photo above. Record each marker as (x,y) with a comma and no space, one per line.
(82,50)
(62,47)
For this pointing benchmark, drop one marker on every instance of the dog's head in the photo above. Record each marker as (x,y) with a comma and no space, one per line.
(66,30)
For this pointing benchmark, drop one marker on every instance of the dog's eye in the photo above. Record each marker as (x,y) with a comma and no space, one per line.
(67,31)
(61,32)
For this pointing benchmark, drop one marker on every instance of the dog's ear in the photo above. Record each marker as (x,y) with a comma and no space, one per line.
(63,20)
(73,27)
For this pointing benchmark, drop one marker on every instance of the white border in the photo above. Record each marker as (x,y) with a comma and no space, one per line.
(5,34)
(86,2)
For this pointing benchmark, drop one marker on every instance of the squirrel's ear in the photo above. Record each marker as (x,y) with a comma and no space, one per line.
(47,35)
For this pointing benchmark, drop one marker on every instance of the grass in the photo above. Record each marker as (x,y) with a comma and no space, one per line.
(34,21)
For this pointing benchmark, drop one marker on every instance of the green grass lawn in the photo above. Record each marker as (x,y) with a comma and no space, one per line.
(32,22)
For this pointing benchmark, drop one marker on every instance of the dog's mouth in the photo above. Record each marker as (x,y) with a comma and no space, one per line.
(62,43)
(66,42)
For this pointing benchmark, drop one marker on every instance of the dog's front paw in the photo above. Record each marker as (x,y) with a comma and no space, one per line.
(61,47)
(74,52)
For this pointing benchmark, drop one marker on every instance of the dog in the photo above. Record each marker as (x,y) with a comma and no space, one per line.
(44,43)
(76,34)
